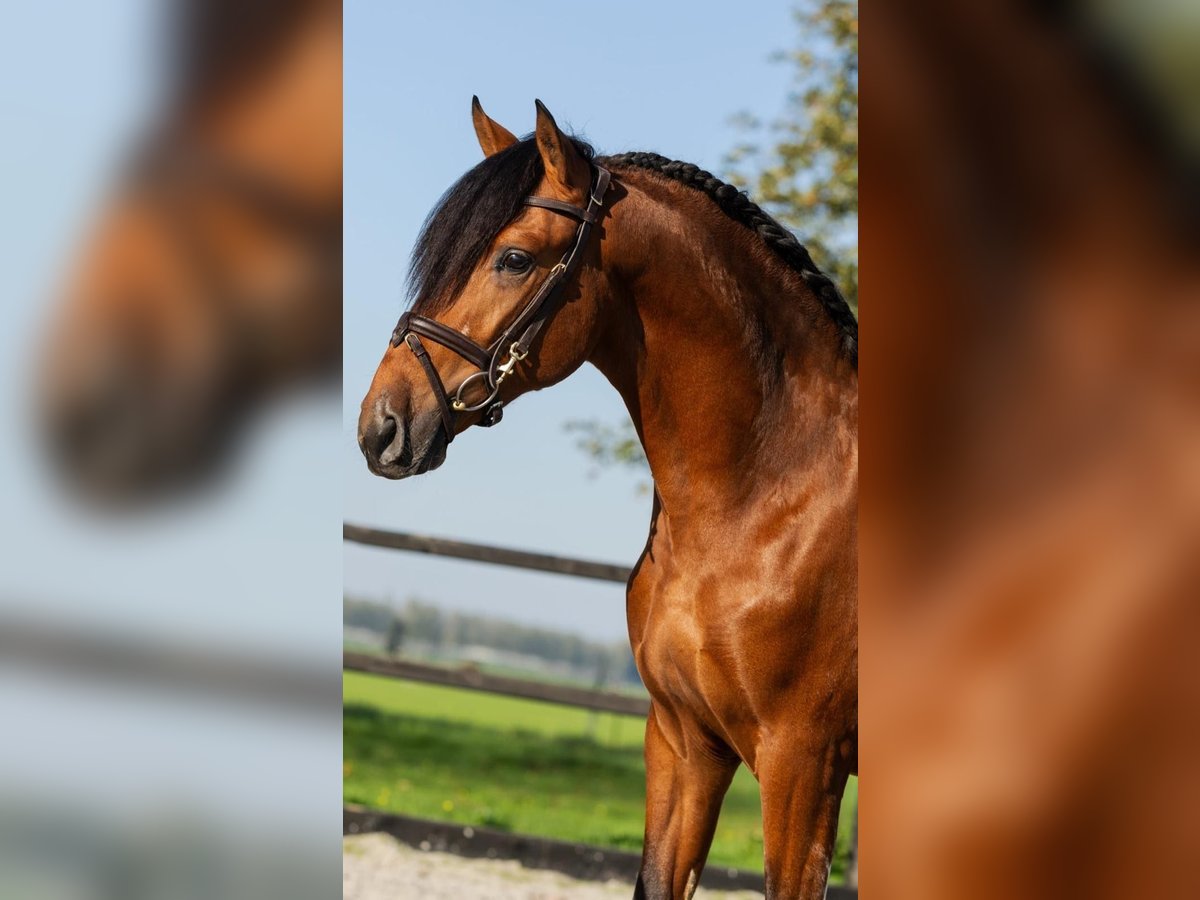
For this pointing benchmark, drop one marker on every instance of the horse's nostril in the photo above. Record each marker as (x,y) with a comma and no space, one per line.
(387,433)
(381,441)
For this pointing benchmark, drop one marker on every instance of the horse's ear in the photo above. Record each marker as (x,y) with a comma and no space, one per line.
(493,137)
(564,165)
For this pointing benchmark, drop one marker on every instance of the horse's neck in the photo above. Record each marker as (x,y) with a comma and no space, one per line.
(729,366)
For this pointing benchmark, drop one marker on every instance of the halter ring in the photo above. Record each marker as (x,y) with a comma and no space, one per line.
(459,405)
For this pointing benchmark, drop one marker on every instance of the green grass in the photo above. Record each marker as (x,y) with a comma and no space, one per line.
(407,698)
(518,765)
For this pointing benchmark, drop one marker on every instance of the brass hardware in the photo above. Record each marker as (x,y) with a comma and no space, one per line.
(514,357)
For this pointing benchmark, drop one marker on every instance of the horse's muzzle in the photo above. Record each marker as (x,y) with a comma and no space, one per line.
(396,448)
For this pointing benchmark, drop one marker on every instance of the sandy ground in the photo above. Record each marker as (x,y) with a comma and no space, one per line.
(378,867)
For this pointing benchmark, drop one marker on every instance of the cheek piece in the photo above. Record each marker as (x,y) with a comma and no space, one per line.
(496,361)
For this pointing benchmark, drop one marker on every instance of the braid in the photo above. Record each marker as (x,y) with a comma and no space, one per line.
(742,209)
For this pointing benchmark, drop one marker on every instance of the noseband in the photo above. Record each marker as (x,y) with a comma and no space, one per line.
(515,340)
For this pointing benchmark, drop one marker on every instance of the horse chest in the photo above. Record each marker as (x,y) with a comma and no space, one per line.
(689,660)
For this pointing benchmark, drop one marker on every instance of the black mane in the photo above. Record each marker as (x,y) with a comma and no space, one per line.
(467,219)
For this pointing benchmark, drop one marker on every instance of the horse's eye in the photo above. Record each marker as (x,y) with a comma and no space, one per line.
(516,261)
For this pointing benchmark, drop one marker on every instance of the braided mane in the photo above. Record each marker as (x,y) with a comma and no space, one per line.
(737,206)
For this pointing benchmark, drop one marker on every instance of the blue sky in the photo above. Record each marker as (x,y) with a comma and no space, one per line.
(666,77)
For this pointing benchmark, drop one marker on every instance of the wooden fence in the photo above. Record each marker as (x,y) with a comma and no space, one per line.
(473,679)
(499,556)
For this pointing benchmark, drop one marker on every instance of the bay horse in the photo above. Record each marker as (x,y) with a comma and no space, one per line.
(212,277)
(1030,544)
(737,360)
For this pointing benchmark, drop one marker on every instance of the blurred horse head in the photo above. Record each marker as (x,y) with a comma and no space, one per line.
(1030,615)
(213,274)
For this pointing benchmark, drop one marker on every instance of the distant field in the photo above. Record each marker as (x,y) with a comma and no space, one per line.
(519,765)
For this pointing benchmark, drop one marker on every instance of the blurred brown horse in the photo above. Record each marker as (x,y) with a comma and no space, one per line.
(214,273)
(737,360)
(1030,582)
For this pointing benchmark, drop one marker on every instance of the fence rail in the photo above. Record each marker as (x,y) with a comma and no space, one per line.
(566,695)
(159,664)
(499,556)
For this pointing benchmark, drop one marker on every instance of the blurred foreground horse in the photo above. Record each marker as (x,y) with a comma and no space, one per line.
(737,360)
(1031,514)
(214,273)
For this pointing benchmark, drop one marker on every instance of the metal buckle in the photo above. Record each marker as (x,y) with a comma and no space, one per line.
(514,356)
(459,405)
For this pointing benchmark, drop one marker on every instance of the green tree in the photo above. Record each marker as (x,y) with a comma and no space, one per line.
(610,445)
(802,168)
(807,175)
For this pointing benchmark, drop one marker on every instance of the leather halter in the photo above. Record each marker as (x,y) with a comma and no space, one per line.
(515,340)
